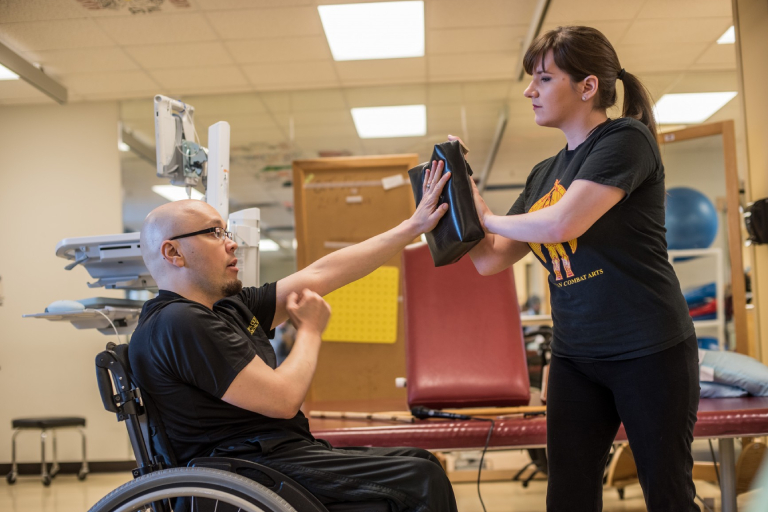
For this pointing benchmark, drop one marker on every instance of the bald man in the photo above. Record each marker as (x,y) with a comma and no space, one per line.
(201,352)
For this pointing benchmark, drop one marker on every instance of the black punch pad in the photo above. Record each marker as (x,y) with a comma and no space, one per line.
(459,230)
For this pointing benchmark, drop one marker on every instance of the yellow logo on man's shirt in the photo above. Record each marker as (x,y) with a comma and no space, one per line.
(253,326)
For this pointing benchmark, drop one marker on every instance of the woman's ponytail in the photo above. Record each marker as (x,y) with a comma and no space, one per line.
(637,101)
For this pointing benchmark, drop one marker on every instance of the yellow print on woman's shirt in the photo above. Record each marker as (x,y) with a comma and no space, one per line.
(556,251)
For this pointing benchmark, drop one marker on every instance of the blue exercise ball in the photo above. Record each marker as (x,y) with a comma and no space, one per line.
(691,219)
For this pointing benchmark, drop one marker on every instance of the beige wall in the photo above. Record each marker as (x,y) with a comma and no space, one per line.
(59,177)
(751,20)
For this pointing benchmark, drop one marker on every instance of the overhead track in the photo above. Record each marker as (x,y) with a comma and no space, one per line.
(34,76)
(533,31)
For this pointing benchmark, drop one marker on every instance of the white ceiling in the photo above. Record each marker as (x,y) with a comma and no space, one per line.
(264,65)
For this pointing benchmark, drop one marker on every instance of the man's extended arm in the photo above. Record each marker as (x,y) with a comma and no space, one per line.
(351,263)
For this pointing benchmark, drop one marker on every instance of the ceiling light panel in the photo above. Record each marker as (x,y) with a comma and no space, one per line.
(690,108)
(174,193)
(7,74)
(381,30)
(729,37)
(268,245)
(385,122)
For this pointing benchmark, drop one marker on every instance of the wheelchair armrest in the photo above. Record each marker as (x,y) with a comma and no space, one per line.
(299,498)
(105,382)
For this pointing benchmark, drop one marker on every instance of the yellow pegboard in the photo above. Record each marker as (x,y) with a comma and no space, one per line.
(365,311)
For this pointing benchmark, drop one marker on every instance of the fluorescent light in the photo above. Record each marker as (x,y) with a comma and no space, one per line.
(268,245)
(729,37)
(7,74)
(690,108)
(383,122)
(122,146)
(174,193)
(381,30)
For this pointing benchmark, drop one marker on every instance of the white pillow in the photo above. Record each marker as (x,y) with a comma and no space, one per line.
(737,370)
(715,390)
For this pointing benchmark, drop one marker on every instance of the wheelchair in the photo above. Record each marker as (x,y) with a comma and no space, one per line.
(207,484)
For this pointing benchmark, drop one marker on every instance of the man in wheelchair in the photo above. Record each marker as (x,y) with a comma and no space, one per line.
(201,352)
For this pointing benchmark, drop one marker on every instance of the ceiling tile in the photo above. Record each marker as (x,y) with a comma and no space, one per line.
(220,5)
(12,11)
(476,92)
(316,118)
(310,131)
(127,81)
(471,66)
(171,56)
(60,62)
(283,49)
(695,30)
(438,94)
(266,23)
(613,30)
(471,40)
(386,96)
(157,29)
(682,9)
(277,101)
(324,99)
(381,71)
(54,35)
(222,76)
(483,13)
(262,121)
(291,75)
(225,105)
(717,56)
(564,12)
(655,57)
(703,81)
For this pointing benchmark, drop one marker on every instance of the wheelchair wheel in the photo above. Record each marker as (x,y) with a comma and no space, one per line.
(214,489)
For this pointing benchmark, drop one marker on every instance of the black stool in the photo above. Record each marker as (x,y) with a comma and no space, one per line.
(45,424)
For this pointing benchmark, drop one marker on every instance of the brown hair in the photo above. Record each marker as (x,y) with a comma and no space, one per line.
(584,51)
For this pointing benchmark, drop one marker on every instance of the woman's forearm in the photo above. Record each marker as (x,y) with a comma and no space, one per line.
(542,226)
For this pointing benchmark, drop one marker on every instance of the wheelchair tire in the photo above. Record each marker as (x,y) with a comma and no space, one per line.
(227,488)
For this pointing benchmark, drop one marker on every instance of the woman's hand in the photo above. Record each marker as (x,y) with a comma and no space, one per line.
(482,209)
(464,148)
(427,213)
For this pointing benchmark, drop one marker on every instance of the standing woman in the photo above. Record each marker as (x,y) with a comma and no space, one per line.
(624,347)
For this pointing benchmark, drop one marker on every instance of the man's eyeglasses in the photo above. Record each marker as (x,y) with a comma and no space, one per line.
(218,232)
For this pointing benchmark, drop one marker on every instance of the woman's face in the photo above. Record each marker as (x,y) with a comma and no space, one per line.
(555,99)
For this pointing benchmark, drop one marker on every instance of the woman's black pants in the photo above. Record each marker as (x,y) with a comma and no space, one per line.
(655,396)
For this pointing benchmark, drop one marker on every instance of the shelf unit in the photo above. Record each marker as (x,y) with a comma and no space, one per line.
(716,254)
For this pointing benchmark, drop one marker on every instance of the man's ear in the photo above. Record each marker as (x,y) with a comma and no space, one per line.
(589,86)
(171,252)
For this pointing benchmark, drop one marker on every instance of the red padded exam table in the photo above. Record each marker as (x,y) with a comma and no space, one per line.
(723,419)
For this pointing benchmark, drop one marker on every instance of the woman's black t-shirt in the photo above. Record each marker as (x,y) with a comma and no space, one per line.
(614,294)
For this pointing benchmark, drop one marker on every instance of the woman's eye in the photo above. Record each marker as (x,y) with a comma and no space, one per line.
(545,79)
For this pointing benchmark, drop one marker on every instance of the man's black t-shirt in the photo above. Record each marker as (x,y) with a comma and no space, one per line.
(614,294)
(185,356)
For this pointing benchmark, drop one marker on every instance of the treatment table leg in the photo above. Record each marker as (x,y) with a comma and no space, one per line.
(727,475)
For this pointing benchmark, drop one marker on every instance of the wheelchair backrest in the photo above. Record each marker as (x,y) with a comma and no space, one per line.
(120,394)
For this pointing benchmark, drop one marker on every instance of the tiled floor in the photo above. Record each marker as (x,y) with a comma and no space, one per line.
(67,494)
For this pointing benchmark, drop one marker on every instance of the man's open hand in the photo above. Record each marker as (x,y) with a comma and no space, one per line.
(427,213)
